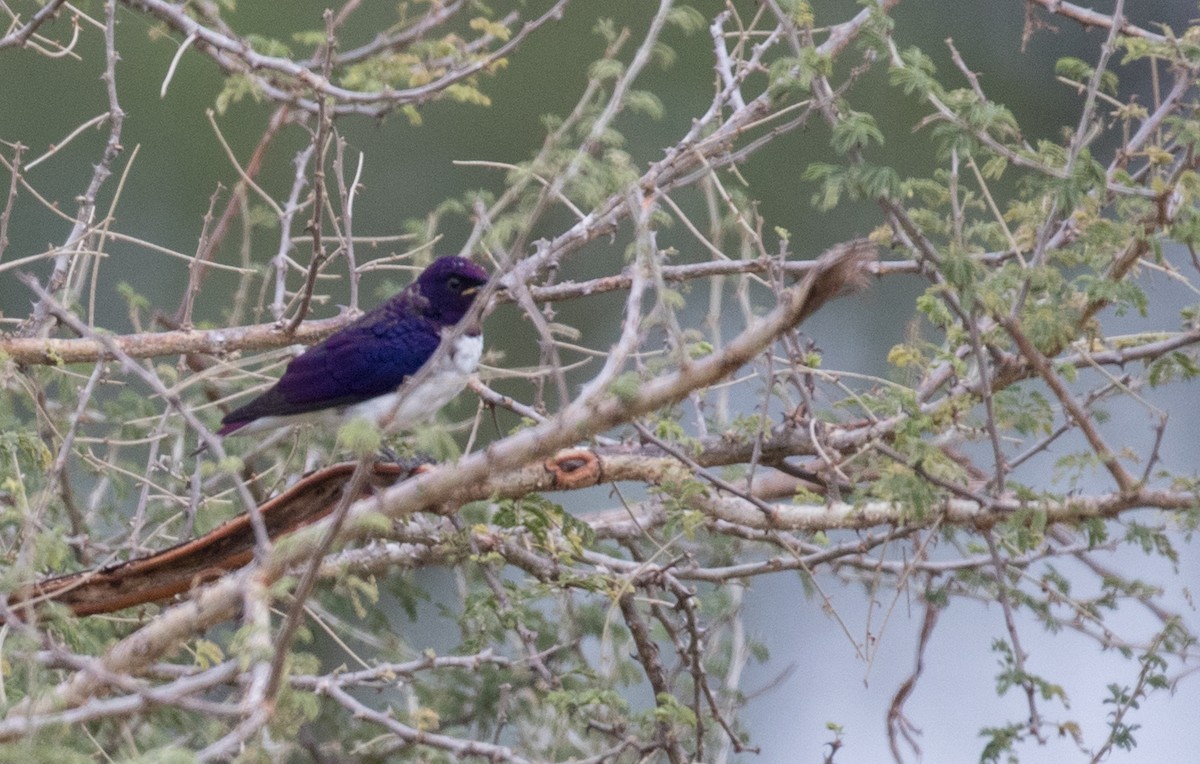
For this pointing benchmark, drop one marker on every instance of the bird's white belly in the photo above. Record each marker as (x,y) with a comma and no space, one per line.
(437,387)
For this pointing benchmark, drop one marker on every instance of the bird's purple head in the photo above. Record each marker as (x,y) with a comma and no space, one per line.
(450,284)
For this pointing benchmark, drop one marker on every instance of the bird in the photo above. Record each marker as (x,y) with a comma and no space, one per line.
(358,371)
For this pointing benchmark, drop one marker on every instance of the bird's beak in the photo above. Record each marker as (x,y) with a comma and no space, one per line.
(470,291)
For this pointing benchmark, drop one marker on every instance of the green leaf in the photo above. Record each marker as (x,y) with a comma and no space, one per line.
(855,130)
(360,436)
(687,19)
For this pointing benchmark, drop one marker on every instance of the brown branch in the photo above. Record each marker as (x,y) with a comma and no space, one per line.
(1089,18)
(182,693)
(21,35)
(647,650)
(37,324)
(185,566)
(435,16)
(198,268)
(414,736)
(321,145)
(358,482)
(218,342)
(1124,480)
(234,55)
(898,724)
(13,184)
(256,337)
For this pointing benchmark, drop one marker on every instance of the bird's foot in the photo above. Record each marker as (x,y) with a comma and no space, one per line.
(412,463)
(388,455)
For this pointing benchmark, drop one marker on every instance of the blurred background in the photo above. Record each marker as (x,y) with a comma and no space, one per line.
(815,673)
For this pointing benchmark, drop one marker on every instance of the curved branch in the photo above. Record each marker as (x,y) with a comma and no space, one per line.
(21,35)
(184,567)
(236,56)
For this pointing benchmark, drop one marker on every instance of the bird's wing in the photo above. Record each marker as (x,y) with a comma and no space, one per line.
(369,358)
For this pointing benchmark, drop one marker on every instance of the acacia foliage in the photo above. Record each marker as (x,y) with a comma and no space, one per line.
(733,450)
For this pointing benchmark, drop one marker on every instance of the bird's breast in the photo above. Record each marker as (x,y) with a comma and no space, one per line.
(414,403)
(467,351)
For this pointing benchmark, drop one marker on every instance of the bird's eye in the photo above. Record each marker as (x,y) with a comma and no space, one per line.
(454,284)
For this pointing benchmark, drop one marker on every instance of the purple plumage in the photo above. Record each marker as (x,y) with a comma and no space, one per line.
(357,370)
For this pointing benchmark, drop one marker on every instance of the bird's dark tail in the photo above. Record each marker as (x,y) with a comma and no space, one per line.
(228,427)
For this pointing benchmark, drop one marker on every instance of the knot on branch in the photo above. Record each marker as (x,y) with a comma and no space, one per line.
(573,468)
